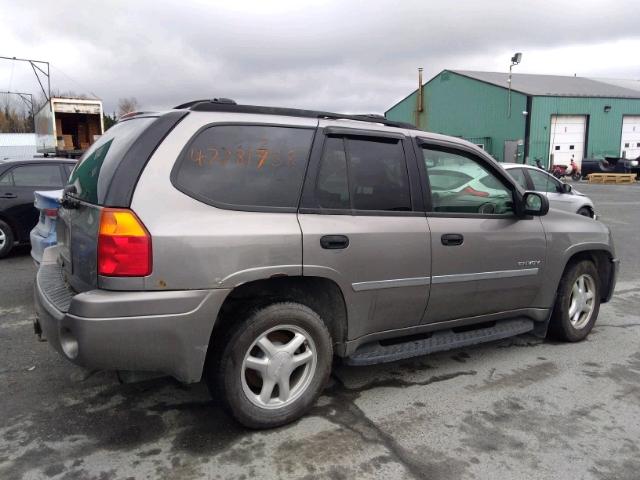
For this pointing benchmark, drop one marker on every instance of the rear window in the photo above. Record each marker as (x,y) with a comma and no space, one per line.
(245,166)
(94,172)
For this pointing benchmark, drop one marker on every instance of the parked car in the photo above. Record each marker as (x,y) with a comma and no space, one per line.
(18,180)
(43,234)
(250,245)
(561,195)
(610,165)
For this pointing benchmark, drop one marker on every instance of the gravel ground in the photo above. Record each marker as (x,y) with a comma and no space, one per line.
(522,408)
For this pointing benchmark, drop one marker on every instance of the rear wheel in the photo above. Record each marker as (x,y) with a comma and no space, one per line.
(577,304)
(6,239)
(270,368)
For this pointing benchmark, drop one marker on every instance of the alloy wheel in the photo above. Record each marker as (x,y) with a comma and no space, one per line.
(279,366)
(582,302)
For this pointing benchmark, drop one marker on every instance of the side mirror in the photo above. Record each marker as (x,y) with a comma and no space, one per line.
(565,188)
(535,204)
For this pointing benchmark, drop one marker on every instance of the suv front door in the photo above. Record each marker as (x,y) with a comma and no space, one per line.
(484,258)
(362,228)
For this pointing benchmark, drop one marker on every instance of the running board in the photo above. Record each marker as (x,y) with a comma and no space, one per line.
(372,353)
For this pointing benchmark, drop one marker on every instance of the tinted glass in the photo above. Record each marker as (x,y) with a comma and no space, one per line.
(243,165)
(37,176)
(518,176)
(543,182)
(67,170)
(7,178)
(95,170)
(379,179)
(447,179)
(483,192)
(332,187)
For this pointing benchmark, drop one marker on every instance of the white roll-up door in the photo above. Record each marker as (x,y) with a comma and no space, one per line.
(630,143)
(567,138)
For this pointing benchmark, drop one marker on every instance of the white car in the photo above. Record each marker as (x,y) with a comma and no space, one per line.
(561,195)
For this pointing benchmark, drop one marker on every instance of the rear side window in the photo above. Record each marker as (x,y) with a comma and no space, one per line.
(543,182)
(518,175)
(245,166)
(96,168)
(379,174)
(37,176)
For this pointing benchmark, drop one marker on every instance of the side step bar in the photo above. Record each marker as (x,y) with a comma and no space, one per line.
(372,353)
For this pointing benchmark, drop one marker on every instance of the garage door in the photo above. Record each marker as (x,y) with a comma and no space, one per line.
(630,146)
(567,138)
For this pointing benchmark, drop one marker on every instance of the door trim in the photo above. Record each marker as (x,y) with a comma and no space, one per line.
(469,277)
(393,283)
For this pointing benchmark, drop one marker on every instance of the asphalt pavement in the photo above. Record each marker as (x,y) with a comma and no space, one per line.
(520,408)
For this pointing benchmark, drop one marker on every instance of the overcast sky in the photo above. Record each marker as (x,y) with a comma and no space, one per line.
(347,56)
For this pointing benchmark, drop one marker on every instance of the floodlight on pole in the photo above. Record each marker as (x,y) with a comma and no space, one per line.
(515,60)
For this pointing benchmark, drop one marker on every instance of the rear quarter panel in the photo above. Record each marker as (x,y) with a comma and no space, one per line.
(199,246)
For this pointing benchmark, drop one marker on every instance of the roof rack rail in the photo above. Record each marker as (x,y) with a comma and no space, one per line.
(222,100)
(227,105)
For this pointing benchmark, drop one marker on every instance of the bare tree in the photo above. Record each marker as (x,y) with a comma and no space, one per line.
(127,105)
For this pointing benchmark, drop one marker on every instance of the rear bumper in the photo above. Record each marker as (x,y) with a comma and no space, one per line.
(155,331)
(40,243)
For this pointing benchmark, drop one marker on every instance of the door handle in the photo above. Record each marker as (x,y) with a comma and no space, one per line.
(451,239)
(334,242)
(8,195)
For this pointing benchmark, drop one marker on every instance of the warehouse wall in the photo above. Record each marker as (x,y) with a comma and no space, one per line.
(463,107)
(604,129)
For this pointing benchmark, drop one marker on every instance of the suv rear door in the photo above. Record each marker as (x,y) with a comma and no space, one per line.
(362,226)
(485,259)
(90,182)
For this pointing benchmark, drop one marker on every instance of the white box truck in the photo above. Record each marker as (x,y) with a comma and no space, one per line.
(66,127)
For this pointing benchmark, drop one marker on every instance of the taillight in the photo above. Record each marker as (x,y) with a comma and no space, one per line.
(50,212)
(124,245)
(475,193)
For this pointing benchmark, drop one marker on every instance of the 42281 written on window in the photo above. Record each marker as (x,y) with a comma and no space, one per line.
(245,165)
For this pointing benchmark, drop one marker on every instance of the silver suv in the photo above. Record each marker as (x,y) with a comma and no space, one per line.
(250,245)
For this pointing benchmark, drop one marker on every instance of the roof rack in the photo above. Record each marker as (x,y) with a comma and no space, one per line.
(228,105)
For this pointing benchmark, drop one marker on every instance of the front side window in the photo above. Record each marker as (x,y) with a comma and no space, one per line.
(543,182)
(462,184)
(245,165)
(37,176)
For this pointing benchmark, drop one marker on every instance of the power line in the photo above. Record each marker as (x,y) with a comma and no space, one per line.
(76,82)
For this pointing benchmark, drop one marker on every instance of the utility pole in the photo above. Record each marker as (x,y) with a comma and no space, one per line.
(515,60)
(37,66)
(419,99)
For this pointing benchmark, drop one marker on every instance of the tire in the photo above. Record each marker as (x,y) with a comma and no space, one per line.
(6,239)
(561,325)
(254,397)
(585,212)
(576,176)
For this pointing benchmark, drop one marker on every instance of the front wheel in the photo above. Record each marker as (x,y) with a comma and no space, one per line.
(270,368)
(577,304)
(585,212)
(575,176)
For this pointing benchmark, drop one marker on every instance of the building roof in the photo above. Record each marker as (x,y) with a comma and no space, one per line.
(557,85)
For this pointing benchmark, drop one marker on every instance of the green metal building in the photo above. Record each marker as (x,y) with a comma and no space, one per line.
(551,118)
